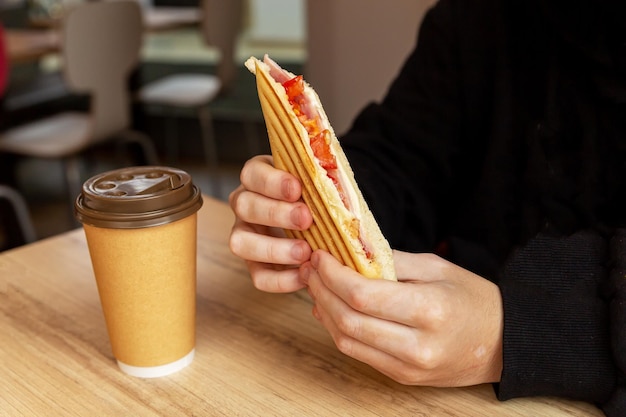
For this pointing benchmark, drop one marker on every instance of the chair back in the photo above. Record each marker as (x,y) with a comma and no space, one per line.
(221,25)
(101,48)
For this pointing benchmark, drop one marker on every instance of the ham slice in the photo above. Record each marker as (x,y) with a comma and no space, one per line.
(304,144)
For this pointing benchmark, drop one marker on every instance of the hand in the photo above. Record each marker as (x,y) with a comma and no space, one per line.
(441,326)
(266,202)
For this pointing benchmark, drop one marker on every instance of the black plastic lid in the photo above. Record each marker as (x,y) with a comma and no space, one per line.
(137,197)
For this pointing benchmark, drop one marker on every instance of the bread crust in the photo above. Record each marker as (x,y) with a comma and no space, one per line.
(335,228)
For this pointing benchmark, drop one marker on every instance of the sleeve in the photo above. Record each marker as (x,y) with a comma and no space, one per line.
(616,296)
(418,153)
(401,150)
(564,297)
(564,304)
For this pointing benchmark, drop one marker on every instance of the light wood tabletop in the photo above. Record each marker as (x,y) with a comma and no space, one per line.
(257,354)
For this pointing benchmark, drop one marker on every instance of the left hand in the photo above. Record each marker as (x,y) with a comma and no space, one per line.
(440,326)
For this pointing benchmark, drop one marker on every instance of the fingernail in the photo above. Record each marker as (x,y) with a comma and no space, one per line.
(296,217)
(315,260)
(299,252)
(287,189)
(296,252)
(316,313)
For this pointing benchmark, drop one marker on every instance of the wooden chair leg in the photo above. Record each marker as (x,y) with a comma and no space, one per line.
(148,150)
(22,214)
(210,149)
(71,166)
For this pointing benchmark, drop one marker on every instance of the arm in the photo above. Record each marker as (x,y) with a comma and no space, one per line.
(415,159)
(564,331)
(402,150)
(564,326)
(615,294)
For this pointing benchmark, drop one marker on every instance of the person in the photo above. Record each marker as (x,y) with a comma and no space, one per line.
(495,167)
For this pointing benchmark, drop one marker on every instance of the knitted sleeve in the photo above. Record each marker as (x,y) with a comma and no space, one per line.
(565,320)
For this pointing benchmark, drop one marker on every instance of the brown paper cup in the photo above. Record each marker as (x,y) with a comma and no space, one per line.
(141,228)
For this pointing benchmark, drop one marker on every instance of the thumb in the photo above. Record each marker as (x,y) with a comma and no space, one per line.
(425,267)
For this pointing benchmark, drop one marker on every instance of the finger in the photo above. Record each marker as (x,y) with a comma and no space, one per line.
(258,209)
(403,262)
(274,278)
(260,176)
(349,325)
(249,244)
(425,267)
(412,304)
(386,362)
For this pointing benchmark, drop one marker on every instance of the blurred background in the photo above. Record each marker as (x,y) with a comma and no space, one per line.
(349,50)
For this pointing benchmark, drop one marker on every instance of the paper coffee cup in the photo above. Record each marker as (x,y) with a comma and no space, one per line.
(141,229)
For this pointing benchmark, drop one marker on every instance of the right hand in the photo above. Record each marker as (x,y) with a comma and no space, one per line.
(268,201)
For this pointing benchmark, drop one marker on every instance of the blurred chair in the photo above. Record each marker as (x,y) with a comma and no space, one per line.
(35,88)
(101,46)
(16,202)
(23,221)
(176,94)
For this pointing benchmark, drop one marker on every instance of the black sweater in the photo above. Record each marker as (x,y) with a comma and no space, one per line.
(501,146)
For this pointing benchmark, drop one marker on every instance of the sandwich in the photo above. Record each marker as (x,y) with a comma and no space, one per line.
(304,144)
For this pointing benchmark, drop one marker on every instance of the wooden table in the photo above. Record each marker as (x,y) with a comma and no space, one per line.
(24,45)
(257,354)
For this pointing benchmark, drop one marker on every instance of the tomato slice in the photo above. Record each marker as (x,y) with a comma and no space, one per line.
(321,149)
(319,140)
(294,87)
